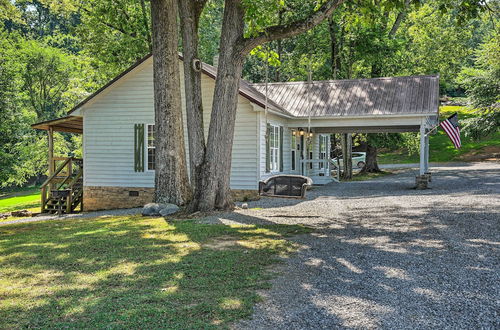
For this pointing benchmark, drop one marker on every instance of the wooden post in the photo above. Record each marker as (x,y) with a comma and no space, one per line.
(422,147)
(426,153)
(44,199)
(69,201)
(50,131)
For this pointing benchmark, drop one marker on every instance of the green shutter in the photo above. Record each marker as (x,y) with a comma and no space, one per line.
(139,147)
(268,149)
(281,148)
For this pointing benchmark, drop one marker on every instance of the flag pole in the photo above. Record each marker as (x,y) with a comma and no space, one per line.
(432,130)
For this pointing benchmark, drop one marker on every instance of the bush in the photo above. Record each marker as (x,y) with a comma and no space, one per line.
(487,123)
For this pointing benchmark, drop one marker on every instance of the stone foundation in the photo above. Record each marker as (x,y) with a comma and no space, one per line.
(422,181)
(240,195)
(106,198)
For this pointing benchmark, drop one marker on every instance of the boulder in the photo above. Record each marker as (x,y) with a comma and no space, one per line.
(155,209)
(21,213)
(151,209)
(168,209)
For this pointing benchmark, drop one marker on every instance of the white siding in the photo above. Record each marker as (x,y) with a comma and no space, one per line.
(109,119)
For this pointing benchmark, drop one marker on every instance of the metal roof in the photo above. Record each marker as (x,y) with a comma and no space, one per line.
(357,97)
(248,91)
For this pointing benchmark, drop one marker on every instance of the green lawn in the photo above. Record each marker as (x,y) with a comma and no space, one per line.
(28,198)
(134,272)
(368,176)
(441,148)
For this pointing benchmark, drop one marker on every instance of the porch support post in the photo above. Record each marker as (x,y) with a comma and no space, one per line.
(422,148)
(50,132)
(426,153)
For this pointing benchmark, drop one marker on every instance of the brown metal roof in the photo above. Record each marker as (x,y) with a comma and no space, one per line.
(68,124)
(357,97)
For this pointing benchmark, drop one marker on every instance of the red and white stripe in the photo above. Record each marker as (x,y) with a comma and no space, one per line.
(453,132)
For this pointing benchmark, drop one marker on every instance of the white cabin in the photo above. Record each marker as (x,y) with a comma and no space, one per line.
(111,118)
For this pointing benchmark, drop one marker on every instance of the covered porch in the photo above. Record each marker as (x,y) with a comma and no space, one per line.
(319,166)
(376,105)
(62,191)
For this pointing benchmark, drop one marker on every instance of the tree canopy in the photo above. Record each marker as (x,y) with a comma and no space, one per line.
(55,52)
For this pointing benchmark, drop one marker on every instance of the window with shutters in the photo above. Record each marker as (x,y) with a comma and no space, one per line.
(151,147)
(274,148)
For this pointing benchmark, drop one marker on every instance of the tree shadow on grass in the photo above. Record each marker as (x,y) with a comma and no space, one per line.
(140,272)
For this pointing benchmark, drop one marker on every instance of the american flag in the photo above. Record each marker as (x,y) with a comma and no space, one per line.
(451,128)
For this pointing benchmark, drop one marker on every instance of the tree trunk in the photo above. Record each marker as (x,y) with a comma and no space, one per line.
(399,19)
(215,192)
(171,179)
(334,48)
(189,13)
(346,141)
(145,21)
(371,165)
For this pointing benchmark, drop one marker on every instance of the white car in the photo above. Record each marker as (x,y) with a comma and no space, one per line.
(358,160)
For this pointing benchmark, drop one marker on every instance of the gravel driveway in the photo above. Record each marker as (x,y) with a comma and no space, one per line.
(386,256)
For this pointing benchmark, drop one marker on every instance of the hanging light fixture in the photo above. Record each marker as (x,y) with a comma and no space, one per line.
(301,132)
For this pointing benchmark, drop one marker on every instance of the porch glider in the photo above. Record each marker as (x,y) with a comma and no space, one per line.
(68,124)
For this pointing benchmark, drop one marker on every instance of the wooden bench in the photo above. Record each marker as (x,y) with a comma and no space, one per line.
(292,186)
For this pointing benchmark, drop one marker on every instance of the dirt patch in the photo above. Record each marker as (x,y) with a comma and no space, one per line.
(221,243)
(489,153)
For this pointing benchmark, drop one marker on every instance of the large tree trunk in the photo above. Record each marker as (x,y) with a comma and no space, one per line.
(189,13)
(216,193)
(215,178)
(346,141)
(371,165)
(171,179)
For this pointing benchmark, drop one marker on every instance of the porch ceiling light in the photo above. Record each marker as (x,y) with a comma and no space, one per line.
(301,132)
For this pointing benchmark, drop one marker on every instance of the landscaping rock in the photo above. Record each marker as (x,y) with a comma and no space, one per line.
(168,209)
(21,213)
(4,215)
(244,206)
(152,209)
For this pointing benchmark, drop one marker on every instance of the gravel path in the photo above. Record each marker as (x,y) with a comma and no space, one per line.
(384,255)
(77,215)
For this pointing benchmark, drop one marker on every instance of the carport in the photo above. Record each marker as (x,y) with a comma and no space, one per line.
(377,105)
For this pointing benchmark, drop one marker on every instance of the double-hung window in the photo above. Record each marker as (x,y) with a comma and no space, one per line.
(274,148)
(323,144)
(151,147)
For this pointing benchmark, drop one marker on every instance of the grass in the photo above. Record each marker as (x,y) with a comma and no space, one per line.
(368,176)
(441,148)
(20,199)
(134,272)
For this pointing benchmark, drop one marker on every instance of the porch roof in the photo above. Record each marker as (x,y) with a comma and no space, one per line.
(376,97)
(68,124)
